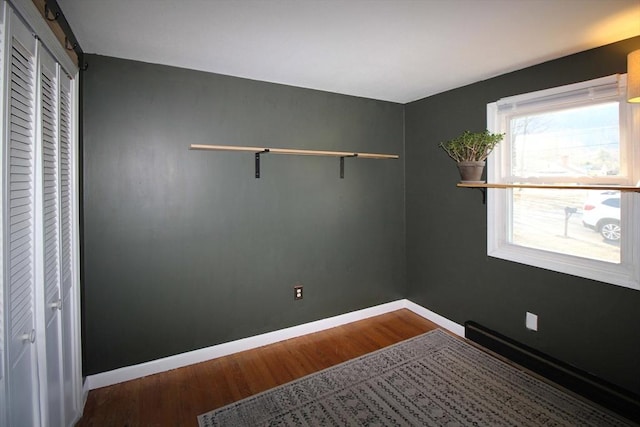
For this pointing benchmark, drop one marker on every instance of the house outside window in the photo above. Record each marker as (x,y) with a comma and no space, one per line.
(580,134)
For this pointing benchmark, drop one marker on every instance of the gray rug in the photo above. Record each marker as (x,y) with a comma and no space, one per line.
(430,380)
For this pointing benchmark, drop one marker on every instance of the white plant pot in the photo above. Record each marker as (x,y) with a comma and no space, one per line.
(471,172)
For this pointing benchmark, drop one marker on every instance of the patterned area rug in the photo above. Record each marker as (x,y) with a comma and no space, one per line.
(430,380)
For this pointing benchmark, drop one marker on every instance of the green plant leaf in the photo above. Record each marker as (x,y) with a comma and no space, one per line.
(471,146)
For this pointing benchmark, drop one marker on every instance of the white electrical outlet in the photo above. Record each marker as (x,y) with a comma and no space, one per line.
(531,321)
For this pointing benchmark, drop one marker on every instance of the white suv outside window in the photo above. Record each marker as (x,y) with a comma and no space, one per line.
(602,214)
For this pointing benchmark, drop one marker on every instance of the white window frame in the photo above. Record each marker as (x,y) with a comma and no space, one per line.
(627,272)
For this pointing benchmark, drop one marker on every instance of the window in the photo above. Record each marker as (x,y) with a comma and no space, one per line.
(580,134)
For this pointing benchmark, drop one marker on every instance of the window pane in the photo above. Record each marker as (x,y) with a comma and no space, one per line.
(583,141)
(573,222)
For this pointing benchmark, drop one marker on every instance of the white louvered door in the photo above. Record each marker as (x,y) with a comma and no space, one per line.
(66,218)
(40,375)
(48,271)
(3,410)
(19,231)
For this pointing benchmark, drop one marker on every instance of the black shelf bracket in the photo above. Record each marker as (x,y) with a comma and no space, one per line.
(342,164)
(484,194)
(266,150)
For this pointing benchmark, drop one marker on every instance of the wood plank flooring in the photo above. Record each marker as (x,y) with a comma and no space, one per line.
(177,397)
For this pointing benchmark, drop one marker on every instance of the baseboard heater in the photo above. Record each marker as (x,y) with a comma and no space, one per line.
(609,395)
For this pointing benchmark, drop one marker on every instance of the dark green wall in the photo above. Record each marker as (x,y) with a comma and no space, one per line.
(186,249)
(586,323)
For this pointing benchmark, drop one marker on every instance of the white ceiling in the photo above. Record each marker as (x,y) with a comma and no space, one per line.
(394,50)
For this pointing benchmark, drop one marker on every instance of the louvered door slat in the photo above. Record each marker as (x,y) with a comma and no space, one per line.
(20,122)
(48,104)
(49,234)
(49,168)
(19,107)
(22,62)
(21,228)
(20,170)
(21,85)
(18,201)
(18,153)
(21,280)
(18,161)
(20,232)
(19,76)
(46,94)
(50,189)
(20,178)
(20,250)
(26,55)
(19,102)
(50,205)
(18,262)
(48,131)
(21,318)
(20,185)
(20,79)
(18,141)
(20,194)
(17,212)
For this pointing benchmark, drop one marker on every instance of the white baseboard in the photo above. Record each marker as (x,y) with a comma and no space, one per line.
(441,321)
(184,359)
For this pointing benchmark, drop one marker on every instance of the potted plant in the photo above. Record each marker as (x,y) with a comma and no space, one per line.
(470,151)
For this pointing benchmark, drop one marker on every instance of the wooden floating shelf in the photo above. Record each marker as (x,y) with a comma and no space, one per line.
(552,186)
(293,152)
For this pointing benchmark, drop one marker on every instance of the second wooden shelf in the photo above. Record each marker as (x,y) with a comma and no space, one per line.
(292,151)
(551,186)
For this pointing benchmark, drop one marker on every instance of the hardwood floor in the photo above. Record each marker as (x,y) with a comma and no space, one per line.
(177,397)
